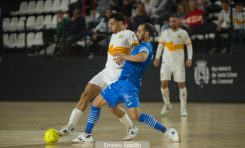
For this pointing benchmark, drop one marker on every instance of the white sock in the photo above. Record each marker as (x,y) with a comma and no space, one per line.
(125,120)
(165,95)
(75,116)
(183,97)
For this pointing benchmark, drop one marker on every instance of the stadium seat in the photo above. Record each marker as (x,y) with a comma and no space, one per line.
(48,21)
(64,5)
(6,24)
(30,39)
(54,22)
(12,40)
(13,24)
(39,22)
(20,41)
(31,7)
(23,7)
(39,7)
(5,40)
(38,40)
(56,5)
(48,6)
(30,23)
(21,23)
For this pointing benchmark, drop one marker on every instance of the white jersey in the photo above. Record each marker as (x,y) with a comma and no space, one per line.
(120,42)
(174,42)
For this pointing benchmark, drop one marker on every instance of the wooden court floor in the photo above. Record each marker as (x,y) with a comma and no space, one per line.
(209,125)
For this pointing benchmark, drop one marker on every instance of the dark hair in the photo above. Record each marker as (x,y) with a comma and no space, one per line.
(149,28)
(117,16)
(172,15)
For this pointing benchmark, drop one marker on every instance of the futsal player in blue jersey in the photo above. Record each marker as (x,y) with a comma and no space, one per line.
(126,89)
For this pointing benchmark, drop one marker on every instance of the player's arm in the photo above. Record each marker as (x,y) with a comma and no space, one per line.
(189,51)
(140,57)
(158,54)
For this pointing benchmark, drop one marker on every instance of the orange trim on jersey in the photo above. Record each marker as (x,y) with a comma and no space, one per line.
(134,43)
(113,50)
(173,47)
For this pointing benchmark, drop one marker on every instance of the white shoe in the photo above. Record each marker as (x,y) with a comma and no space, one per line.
(132,133)
(65,131)
(172,134)
(183,112)
(83,138)
(165,109)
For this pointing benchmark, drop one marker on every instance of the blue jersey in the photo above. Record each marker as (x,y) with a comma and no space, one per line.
(133,71)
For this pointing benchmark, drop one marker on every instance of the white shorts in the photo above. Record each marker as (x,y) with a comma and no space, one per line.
(177,71)
(106,77)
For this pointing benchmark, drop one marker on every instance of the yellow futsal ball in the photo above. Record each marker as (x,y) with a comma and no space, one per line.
(51,136)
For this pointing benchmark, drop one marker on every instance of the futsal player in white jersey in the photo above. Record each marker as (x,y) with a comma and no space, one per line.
(171,47)
(122,41)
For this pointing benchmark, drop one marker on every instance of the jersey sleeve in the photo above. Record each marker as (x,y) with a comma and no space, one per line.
(144,49)
(132,39)
(162,38)
(186,38)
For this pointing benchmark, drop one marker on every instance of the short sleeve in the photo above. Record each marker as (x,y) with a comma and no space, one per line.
(132,39)
(162,38)
(144,49)
(186,38)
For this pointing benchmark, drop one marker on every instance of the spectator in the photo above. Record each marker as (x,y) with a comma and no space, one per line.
(239,24)
(73,32)
(62,22)
(140,18)
(125,7)
(223,27)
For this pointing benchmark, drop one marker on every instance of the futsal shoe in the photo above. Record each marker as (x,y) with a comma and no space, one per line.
(172,134)
(183,112)
(83,138)
(165,109)
(65,131)
(131,134)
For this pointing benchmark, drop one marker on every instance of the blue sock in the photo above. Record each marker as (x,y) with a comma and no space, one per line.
(92,119)
(152,122)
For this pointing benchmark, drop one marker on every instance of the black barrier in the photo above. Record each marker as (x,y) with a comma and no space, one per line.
(212,78)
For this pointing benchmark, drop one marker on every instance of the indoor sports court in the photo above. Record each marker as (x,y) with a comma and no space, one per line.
(219,125)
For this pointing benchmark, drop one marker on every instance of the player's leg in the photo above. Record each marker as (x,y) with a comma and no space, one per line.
(152,122)
(91,90)
(165,76)
(183,98)
(131,129)
(179,77)
(92,119)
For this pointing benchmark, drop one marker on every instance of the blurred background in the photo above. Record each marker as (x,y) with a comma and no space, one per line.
(49,49)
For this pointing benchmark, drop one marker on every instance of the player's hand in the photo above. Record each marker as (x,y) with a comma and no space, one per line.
(156,62)
(118,58)
(188,63)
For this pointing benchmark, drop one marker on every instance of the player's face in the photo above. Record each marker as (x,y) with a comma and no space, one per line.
(114,25)
(173,22)
(140,33)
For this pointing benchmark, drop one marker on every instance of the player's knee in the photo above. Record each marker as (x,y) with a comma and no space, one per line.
(135,117)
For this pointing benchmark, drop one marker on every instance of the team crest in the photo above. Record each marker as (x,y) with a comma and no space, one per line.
(120,36)
(201,73)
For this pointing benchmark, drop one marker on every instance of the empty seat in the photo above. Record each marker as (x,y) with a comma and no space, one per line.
(21,23)
(54,22)
(6,40)
(64,5)
(30,39)
(13,24)
(39,6)
(30,23)
(48,21)
(20,41)
(6,24)
(39,22)
(38,40)
(31,7)
(56,5)
(48,6)
(12,40)
(23,7)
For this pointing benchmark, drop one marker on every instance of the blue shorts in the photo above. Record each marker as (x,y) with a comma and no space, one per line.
(121,91)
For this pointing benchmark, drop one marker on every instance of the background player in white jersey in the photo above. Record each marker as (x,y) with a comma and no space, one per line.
(122,41)
(173,41)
